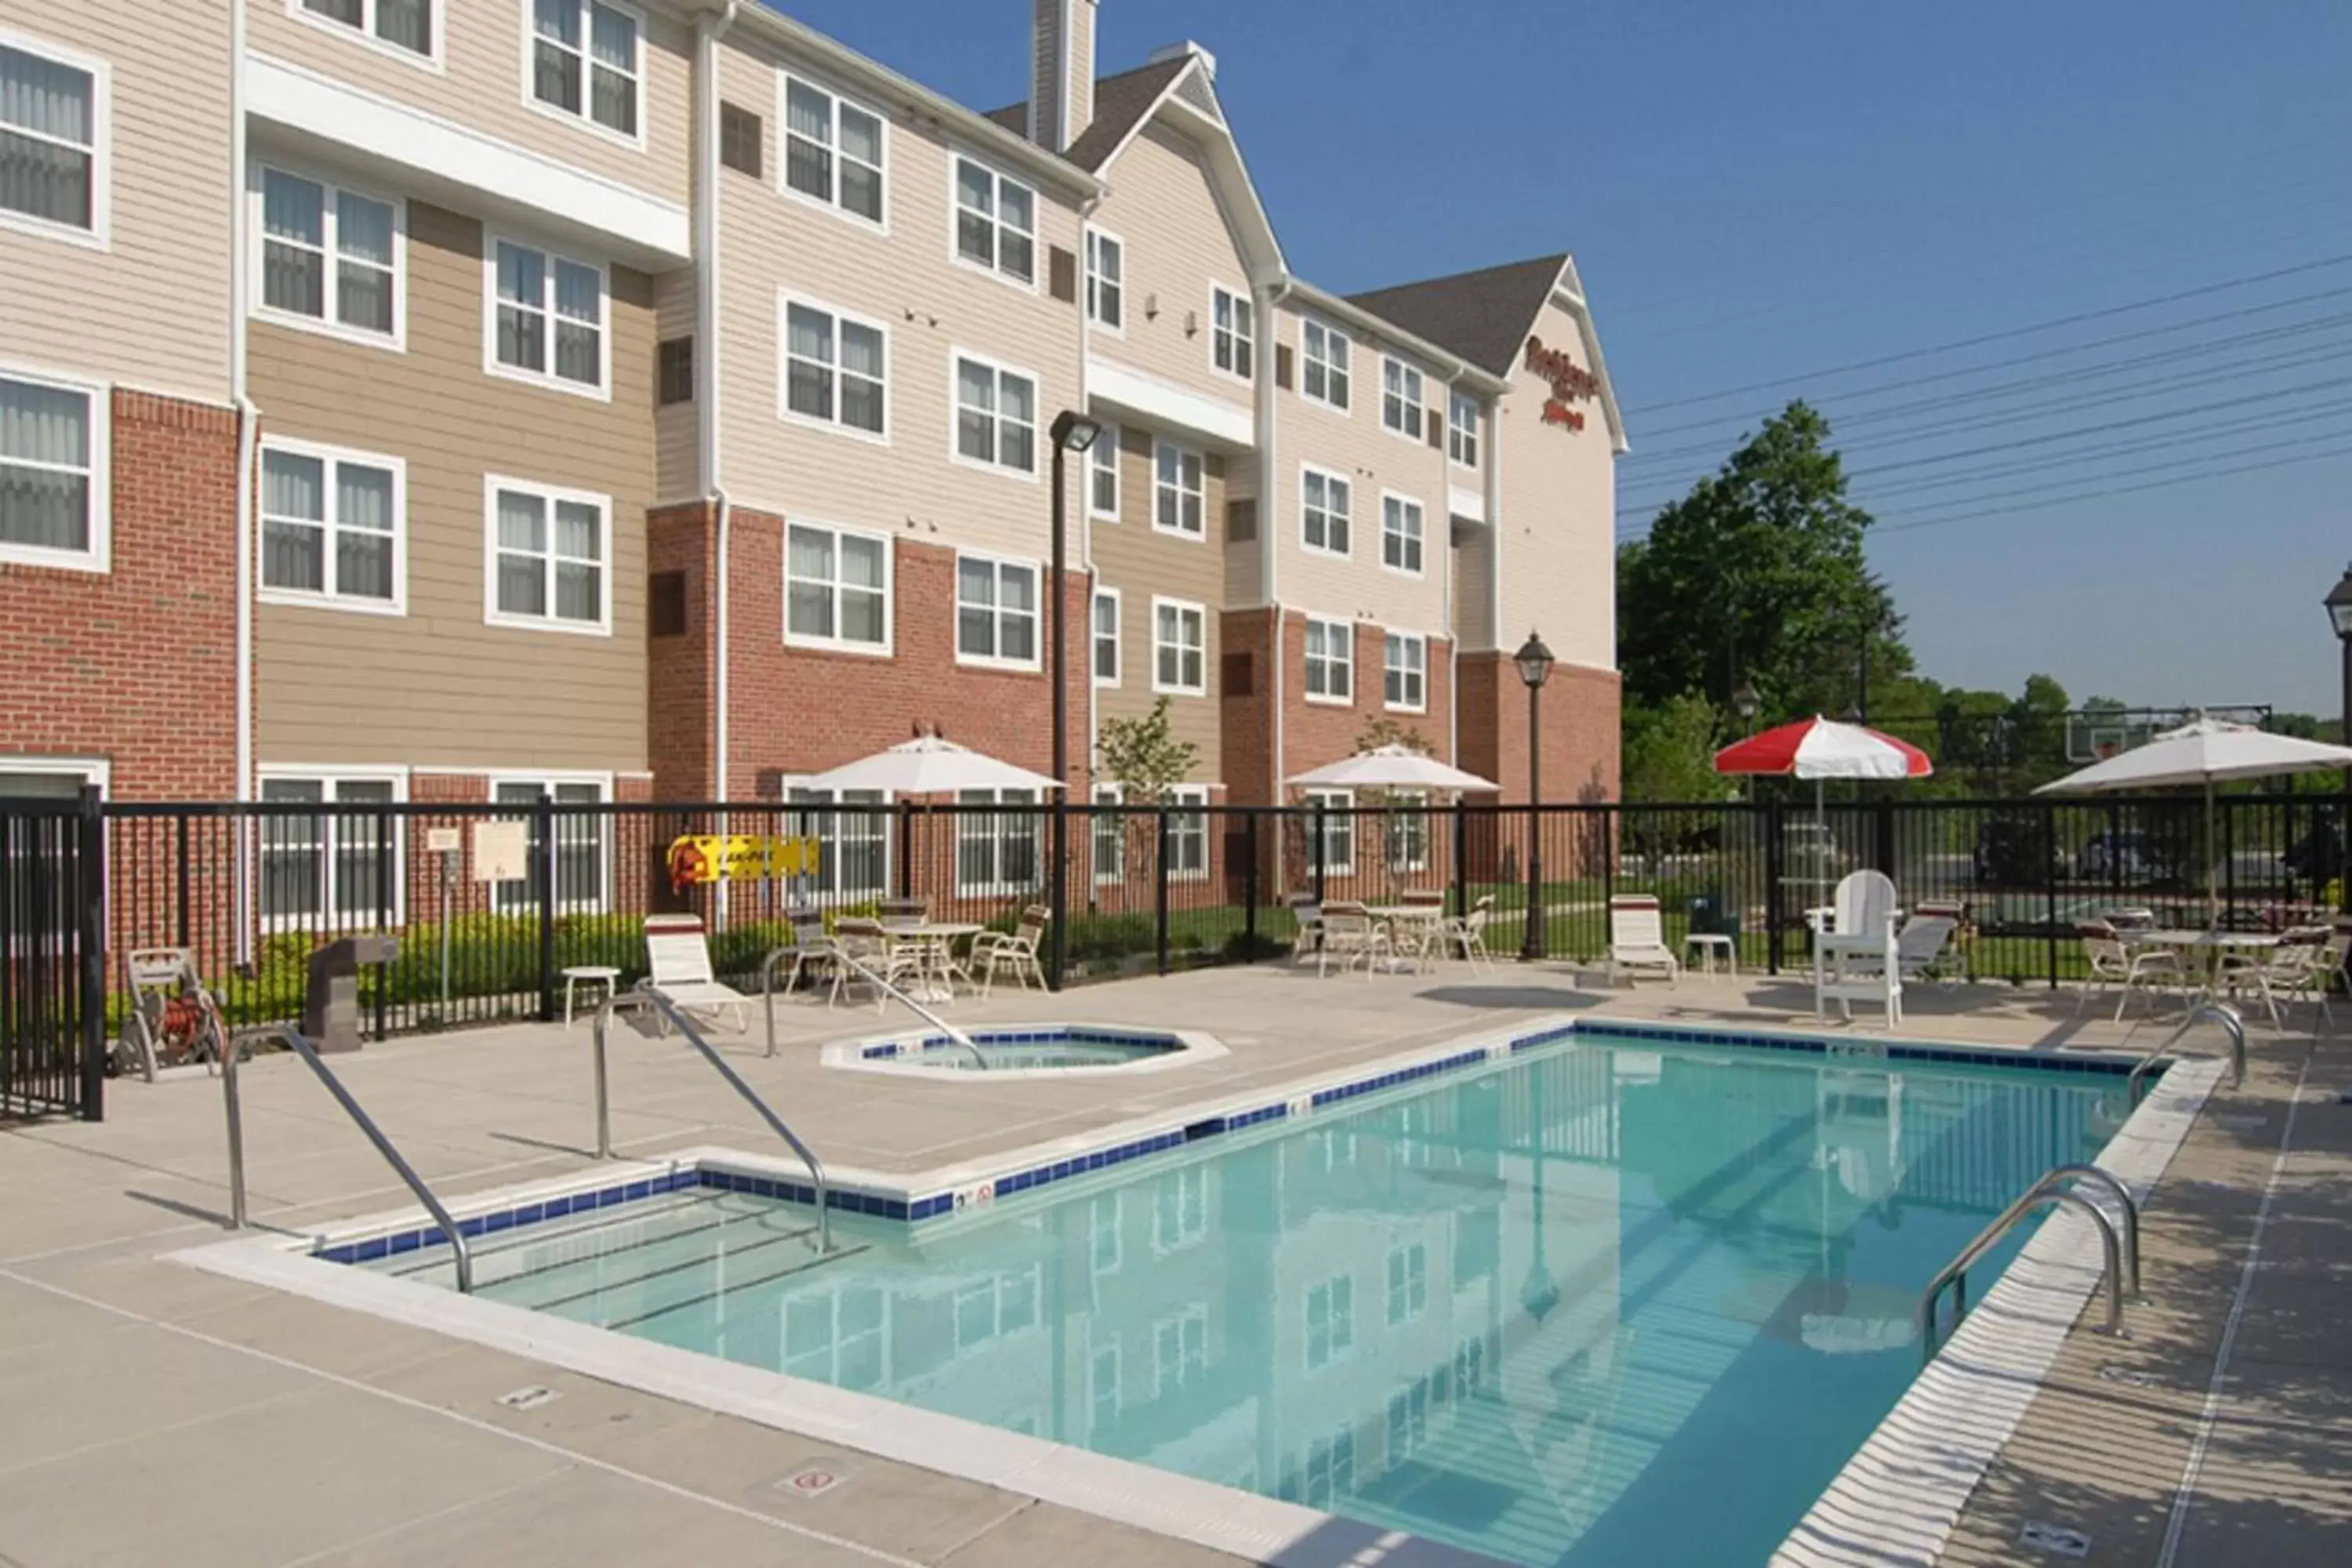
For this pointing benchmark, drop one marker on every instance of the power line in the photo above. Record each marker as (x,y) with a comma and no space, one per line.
(2188,462)
(2120,490)
(2260,422)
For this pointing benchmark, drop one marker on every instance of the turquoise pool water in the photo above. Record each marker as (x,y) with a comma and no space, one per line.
(1596,1306)
(1010,1057)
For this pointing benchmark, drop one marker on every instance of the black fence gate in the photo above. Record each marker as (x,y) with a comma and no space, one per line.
(52,958)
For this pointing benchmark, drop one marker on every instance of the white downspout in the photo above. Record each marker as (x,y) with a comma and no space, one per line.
(707,367)
(1445,608)
(1086,501)
(1269,493)
(248,432)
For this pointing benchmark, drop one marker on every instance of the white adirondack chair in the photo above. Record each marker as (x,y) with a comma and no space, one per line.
(1859,961)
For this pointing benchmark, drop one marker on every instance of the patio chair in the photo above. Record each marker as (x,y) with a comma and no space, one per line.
(1352,935)
(1015,951)
(813,946)
(1308,910)
(1919,946)
(2285,972)
(1417,897)
(864,952)
(2114,964)
(1637,939)
(678,958)
(1467,935)
(904,912)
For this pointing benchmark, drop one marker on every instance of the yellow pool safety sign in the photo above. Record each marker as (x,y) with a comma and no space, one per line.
(739,857)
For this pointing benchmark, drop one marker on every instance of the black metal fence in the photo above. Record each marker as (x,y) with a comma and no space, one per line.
(494,901)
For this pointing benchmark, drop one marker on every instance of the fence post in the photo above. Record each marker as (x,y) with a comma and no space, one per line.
(386,825)
(906,850)
(90,909)
(1772,886)
(543,820)
(2050,890)
(1249,885)
(1318,851)
(1884,823)
(1461,860)
(183,879)
(1159,890)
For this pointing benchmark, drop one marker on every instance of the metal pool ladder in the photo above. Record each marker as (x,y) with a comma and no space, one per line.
(2220,1013)
(2120,1261)
(351,1108)
(649,995)
(880,983)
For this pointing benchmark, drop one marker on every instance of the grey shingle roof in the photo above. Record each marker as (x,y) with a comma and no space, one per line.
(1482,316)
(1120,102)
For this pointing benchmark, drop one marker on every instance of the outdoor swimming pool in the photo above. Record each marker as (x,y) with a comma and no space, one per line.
(1025,1048)
(1600,1303)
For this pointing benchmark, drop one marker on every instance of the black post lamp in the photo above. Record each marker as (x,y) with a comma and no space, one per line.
(1073,432)
(1535,662)
(2339,615)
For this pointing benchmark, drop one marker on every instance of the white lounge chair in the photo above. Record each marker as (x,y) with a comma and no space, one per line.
(1637,939)
(678,954)
(1857,960)
(1918,947)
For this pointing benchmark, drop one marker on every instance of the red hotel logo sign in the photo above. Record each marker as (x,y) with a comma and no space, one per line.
(1570,381)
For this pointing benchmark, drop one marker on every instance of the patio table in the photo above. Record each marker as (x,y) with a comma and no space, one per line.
(2205,948)
(937,985)
(1419,922)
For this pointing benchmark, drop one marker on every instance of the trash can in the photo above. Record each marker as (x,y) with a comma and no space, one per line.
(1708,917)
(331,1006)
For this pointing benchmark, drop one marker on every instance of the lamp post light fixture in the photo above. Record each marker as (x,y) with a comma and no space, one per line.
(1535,662)
(1747,702)
(2339,616)
(1073,432)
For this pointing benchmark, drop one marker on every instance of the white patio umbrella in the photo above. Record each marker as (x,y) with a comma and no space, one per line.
(929,764)
(1390,767)
(2203,753)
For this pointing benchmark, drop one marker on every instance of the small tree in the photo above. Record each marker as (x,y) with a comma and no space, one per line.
(1146,760)
(1398,839)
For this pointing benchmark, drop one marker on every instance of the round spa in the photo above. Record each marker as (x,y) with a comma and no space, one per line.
(1028,1050)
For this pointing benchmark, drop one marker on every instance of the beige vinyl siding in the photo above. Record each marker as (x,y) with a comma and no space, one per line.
(152,309)
(1245,573)
(677,473)
(1474,586)
(1178,245)
(437,686)
(1355,446)
(906,282)
(1559,525)
(1140,560)
(482,84)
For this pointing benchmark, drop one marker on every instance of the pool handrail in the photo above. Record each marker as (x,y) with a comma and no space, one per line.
(351,1108)
(2046,1189)
(880,983)
(2220,1012)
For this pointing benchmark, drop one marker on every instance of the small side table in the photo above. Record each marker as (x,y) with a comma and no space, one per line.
(588,974)
(1709,944)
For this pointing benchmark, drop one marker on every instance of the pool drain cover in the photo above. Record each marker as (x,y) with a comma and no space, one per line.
(814,1482)
(2056,1538)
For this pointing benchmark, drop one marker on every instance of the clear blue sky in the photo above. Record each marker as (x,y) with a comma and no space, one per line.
(1762,191)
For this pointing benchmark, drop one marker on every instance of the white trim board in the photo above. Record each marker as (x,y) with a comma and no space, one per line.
(1232,425)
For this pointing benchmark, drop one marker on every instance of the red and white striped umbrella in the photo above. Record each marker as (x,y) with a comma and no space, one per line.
(1818,748)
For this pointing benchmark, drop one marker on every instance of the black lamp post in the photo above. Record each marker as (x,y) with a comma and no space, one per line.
(1073,432)
(1535,662)
(2339,615)
(1747,702)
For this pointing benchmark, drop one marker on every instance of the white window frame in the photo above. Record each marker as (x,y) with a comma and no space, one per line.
(1184,823)
(1161,490)
(493,365)
(1410,395)
(1462,440)
(332,598)
(1185,1373)
(1343,365)
(1346,515)
(584,118)
(1395,503)
(838,644)
(330,779)
(1338,831)
(1117,639)
(998,179)
(1038,435)
(1102,458)
(1335,1312)
(1392,643)
(1344,662)
(1095,236)
(785,301)
(98,236)
(1111,829)
(1243,342)
(1097,1394)
(257,304)
(1039,616)
(1003,808)
(1182,607)
(1191,1227)
(491,615)
(1406,805)
(830,204)
(435,61)
(99,554)
(812,804)
(503,903)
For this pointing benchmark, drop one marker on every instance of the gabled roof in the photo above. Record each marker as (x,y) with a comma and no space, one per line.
(1121,102)
(1482,316)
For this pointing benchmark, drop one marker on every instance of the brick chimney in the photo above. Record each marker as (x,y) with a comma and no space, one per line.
(1061,72)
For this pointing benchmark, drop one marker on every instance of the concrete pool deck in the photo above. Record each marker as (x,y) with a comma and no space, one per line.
(155,1410)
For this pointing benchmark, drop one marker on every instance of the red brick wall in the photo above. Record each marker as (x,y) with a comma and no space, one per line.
(138,663)
(1319,732)
(681,669)
(1247,719)
(1579,718)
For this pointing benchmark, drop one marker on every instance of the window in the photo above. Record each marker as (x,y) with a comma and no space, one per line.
(1338,829)
(548,318)
(1106,1231)
(1324,501)
(1180,1349)
(853,843)
(581,846)
(1180,652)
(1401,394)
(1404,664)
(1109,829)
(1177,505)
(996,850)
(1330,1468)
(1407,1283)
(1105,281)
(1106,602)
(406,24)
(588,61)
(1102,474)
(997,415)
(836,370)
(996,223)
(331,258)
(1188,833)
(1233,332)
(1330,661)
(1408,1419)
(1400,533)
(1180,1209)
(1102,1388)
(834,152)
(1330,1321)
(836,588)
(1462,429)
(676,372)
(328,868)
(53,473)
(1323,375)
(1408,832)
(53,130)
(547,557)
(742,140)
(331,527)
(996,612)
